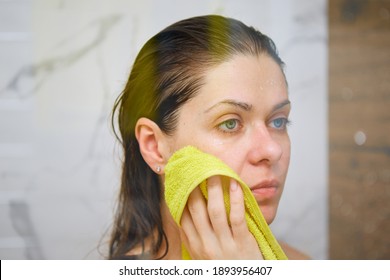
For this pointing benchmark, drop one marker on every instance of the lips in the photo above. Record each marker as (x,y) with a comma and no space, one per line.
(267,189)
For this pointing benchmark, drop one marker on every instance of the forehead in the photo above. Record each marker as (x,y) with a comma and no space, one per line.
(247,77)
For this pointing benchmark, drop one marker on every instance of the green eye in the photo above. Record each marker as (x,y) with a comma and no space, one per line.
(229,125)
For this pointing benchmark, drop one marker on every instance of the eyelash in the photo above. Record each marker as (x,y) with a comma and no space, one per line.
(285,122)
(227,130)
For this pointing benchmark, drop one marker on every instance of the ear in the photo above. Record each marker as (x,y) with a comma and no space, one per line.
(152,144)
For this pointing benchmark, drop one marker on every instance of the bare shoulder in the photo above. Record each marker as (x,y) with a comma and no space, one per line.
(292,253)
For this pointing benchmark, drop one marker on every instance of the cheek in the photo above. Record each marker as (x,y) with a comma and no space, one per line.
(284,161)
(231,154)
(190,133)
(184,135)
(286,151)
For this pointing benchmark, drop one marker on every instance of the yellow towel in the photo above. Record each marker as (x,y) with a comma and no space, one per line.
(189,168)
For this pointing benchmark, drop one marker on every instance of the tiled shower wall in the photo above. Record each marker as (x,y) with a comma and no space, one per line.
(62,64)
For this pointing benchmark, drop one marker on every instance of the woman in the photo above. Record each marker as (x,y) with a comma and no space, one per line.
(216,84)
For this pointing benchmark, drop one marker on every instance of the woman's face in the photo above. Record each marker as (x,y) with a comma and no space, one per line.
(240,116)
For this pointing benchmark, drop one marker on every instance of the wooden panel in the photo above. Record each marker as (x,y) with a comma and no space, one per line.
(359,129)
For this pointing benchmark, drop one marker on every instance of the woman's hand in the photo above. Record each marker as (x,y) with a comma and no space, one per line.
(205,230)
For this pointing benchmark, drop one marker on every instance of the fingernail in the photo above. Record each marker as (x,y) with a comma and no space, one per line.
(233,185)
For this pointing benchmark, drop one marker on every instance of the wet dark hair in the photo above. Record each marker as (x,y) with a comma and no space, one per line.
(168,71)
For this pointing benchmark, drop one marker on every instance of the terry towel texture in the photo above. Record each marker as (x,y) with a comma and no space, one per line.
(189,168)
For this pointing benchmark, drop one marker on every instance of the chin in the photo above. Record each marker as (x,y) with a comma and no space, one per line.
(269,212)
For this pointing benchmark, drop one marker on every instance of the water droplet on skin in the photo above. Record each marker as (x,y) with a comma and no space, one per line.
(273,83)
(217,142)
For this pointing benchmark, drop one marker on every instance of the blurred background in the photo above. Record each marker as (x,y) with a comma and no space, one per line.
(63,63)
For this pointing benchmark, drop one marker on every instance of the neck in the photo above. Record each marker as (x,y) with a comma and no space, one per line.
(173,235)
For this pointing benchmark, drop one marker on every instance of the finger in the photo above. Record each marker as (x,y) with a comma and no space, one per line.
(216,209)
(189,232)
(187,224)
(237,211)
(241,234)
(205,245)
(197,209)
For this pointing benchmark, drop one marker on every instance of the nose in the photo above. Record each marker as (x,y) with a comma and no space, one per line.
(264,147)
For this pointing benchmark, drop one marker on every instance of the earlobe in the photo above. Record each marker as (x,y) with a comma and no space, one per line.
(152,143)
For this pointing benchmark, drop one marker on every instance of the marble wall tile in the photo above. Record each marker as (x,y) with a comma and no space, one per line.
(64,63)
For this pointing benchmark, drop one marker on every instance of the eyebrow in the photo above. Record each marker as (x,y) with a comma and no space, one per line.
(245,106)
(281,105)
(235,103)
